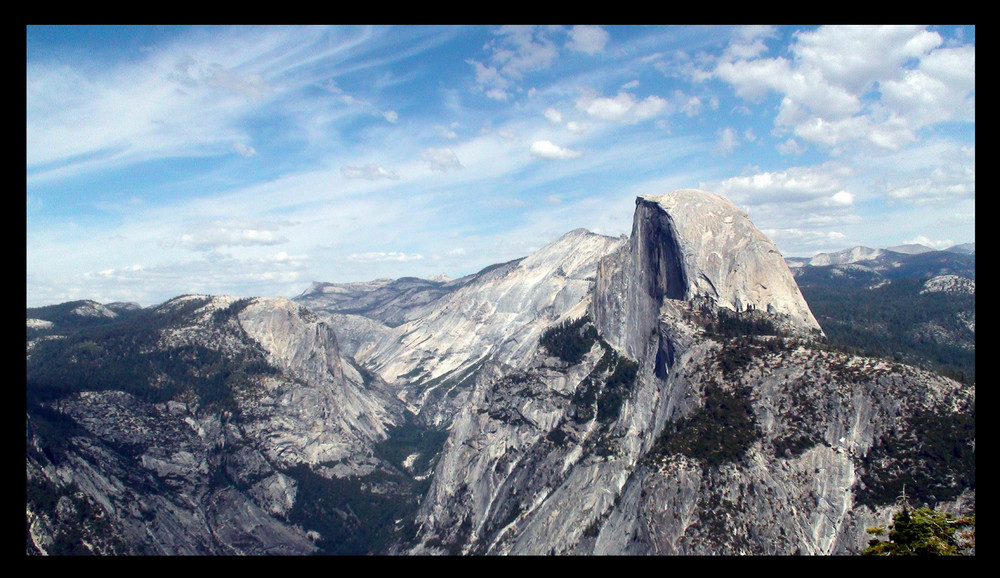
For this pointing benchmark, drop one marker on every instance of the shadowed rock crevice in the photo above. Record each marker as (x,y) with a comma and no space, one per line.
(659,254)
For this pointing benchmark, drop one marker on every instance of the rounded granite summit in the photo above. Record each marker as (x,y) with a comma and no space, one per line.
(722,255)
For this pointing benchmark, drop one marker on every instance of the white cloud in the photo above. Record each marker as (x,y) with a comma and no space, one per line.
(691,106)
(381,256)
(514,51)
(553,115)
(522,49)
(834,91)
(803,239)
(371,172)
(727,141)
(843,55)
(546,150)
(490,80)
(576,127)
(842,198)
(928,242)
(947,183)
(622,108)
(211,236)
(791,147)
(793,185)
(441,159)
(244,149)
(446,132)
(589,39)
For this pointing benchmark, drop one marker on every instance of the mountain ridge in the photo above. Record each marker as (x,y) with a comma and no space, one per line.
(666,393)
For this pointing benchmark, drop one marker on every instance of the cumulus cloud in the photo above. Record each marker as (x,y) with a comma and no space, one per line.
(842,198)
(823,240)
(589,39)
(945,184)
(793,185)
(521,49)
(489,79)
(371,172)
(928,242)
(441,159)
(553,115)
(212,273)
(791,147)
(513,52)
(623,107)
(833,91)
(516,51)
(546,150)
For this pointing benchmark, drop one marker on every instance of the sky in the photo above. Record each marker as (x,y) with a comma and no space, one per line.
(254,161)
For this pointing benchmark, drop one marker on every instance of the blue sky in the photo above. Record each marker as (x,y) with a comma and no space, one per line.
(255,160)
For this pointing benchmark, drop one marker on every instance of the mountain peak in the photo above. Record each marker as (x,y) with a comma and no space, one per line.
(910,249)
(723,256)
(691,244)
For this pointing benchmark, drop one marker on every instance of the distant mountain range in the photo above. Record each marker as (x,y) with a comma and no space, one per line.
(862,253)
(909,302)
(861,266)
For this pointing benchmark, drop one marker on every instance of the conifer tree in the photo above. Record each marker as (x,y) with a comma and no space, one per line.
(923,532)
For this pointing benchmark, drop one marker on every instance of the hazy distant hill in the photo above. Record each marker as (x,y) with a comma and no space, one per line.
(879,303)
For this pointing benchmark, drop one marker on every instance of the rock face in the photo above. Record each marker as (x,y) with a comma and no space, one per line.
(497,316)
(949,284)
(672,434)
(669,393)
(852,255)
(194,439)
(689,245)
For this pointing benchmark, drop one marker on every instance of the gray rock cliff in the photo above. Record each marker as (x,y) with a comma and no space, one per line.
(675,435)
(199,446)
(668,393)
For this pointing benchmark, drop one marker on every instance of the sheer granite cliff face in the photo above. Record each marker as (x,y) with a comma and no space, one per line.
(691,244)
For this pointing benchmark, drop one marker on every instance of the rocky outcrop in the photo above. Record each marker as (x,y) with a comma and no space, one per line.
(757,446)
(949,284)
(200,446)
(497,316)
(331,413)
